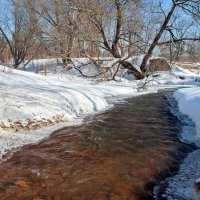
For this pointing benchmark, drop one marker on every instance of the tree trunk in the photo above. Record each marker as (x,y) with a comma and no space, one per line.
(156,39)
(64,61)
(132,70)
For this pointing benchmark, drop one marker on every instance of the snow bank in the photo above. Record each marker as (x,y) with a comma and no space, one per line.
(28,100)
(181,186)
(186,73)
(189,104)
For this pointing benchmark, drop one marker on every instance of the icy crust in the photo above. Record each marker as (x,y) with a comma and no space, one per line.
(181,186)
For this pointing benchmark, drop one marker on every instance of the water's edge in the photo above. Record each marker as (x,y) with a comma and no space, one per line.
(167,188)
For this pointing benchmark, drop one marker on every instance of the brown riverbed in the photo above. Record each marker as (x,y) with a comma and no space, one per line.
(118,155)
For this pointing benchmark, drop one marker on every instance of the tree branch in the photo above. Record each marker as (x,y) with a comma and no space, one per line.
(179,40)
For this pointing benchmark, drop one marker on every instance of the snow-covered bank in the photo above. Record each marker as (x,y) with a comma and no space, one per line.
(189,104)
(181,186)
(29,100)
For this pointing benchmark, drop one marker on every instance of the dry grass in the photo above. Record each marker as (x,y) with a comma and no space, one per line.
(189,66)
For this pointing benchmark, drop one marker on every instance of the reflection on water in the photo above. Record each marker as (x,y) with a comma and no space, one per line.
(116,155)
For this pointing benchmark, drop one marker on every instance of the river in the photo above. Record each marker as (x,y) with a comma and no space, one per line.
(120,154)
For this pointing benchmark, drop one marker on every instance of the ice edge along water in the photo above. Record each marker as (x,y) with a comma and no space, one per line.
(181,186)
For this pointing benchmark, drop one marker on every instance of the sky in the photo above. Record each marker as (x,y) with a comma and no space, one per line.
(166,4)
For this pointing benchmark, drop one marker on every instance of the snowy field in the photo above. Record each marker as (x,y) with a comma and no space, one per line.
(34,105)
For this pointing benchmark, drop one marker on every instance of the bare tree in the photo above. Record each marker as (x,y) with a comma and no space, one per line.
(61,27)
(107,19)
(19,28)
(3,50)
(145,38)
(190,6)
(116,28)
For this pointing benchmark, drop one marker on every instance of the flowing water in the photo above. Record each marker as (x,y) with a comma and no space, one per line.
(117,155)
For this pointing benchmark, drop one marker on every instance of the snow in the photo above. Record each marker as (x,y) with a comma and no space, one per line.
(182,185)
(189,104)
(186,73)
(26,96)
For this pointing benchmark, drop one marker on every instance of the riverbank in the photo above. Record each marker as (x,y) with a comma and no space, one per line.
(181,186)
(189,104)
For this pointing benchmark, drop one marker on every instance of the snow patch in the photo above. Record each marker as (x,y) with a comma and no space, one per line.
(189,104)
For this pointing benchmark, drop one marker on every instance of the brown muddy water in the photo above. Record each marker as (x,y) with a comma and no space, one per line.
(117,155)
